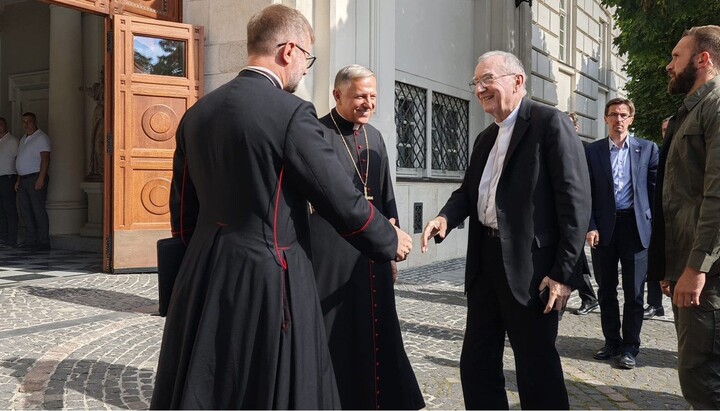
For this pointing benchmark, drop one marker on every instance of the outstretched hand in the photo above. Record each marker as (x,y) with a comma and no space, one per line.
(437,226)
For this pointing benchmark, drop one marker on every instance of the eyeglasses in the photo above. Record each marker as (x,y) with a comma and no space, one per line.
(309,57)
(621,116)
(487,80)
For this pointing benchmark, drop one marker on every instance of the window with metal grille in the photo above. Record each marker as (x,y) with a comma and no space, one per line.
(410,123)
(449,132)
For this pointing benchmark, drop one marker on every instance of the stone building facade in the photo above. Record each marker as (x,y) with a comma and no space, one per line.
(422,51)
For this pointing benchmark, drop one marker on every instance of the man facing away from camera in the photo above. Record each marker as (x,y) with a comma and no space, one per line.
(244,327)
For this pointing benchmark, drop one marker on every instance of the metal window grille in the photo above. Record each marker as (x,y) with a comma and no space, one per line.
(417,218)
(450,132)
(410,125)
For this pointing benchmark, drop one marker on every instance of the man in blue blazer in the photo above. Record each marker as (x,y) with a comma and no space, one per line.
(622,181)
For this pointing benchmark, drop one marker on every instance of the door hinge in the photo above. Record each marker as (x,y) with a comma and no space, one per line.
(109,143)
(108,253)
(109,42)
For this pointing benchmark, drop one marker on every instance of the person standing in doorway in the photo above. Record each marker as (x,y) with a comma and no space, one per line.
(32,163)
(8,178)
(622,179)
(356,293)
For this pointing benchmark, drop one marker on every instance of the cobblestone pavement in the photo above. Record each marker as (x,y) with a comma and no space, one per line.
(91,341)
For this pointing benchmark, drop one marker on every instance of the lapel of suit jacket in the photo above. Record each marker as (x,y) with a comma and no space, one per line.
(635,152)
(522,123)
(603,158)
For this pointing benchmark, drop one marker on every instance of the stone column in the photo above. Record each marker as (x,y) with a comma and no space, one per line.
(66,203)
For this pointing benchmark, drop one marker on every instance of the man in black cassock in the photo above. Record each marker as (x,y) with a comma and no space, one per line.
(356,292)
(244,327)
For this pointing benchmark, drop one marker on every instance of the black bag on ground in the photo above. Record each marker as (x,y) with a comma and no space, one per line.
(170,252)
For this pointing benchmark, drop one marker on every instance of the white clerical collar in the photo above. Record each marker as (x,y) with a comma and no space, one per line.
(267,71)
(356,126)
(510,119)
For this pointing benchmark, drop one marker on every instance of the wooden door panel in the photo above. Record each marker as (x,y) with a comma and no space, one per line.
(169,10)
(155,120)
(93,6)
(157,77)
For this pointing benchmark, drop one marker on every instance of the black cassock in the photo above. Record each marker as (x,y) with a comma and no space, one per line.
(356,294)
(244,327)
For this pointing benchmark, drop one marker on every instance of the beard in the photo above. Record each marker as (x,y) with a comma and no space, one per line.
(293,81)
(291,85)
(684,81)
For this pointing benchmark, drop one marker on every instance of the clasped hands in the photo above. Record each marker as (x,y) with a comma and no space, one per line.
(404,244)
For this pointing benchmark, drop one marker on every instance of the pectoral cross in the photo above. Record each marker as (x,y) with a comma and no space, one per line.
(369,197)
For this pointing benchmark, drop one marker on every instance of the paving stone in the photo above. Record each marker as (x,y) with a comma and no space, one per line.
(96,343)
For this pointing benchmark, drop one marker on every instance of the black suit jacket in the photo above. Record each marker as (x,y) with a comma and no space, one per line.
(542,200)
(643,165)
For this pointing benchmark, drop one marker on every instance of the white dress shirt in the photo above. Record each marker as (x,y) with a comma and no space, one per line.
(28,159)
(487,213)
(8,152)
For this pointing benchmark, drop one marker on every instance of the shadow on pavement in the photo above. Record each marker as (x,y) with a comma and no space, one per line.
(106,299)
(583,395)
(434,331)
(434,296)
(116,385)
(583,348)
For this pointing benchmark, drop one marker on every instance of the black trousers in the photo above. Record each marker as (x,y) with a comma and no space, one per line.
(8,209)
(585,288)
(654,294)
(32,209)
(493,312)
(625,246)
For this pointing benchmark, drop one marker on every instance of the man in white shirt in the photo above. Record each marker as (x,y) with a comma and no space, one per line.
(8,176)
(526,193)
(32,163)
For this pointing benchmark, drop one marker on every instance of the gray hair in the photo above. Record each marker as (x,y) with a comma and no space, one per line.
(351,72)
(273,25)
(511,64)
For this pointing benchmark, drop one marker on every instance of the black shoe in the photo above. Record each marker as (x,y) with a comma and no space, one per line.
(627,361)
(26,245)
(587,307)
(606,352)
(651,312)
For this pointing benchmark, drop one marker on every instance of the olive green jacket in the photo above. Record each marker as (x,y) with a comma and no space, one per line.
(691,188)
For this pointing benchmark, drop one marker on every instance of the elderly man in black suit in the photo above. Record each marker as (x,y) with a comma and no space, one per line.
(244,326)
(526,193)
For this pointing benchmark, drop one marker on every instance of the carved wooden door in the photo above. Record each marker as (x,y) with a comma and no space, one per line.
(157,70)
(92,6)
